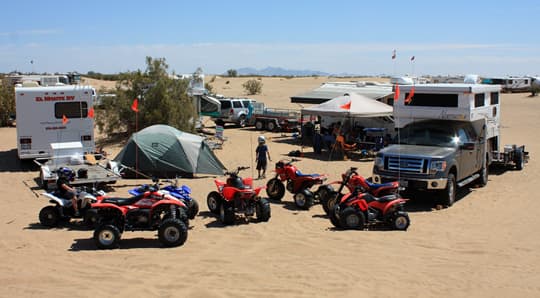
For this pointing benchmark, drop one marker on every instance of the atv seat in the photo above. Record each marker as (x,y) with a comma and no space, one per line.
(380,185)
(122,201)
(299,174)
(370,198)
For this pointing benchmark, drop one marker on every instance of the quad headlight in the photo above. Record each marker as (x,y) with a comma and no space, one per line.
(379,163)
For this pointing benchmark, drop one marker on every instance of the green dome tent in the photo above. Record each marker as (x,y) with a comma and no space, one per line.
(164,151)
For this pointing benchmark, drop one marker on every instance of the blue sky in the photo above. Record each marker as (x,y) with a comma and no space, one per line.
(450,37)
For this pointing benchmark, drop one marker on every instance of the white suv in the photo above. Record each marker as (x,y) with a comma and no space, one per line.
(234,110)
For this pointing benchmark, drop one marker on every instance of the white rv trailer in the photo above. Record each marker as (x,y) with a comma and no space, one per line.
(48,115)
(510,84)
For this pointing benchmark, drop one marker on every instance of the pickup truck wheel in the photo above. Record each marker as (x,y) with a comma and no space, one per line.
(483,179)
(449,193)
(259,125)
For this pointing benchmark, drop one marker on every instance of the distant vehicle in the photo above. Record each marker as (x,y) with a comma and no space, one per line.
(510,84)
(234,110)
(47,115)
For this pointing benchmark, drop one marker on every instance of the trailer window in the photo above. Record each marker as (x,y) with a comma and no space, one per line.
(76,109)
(494,98)
(434,100)
(479,100)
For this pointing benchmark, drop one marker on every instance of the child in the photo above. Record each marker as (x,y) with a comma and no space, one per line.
(261,153)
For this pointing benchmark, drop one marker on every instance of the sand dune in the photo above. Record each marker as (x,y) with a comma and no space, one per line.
(486,245)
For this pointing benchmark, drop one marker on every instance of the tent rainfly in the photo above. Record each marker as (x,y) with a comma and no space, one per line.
(350,106)
(164,151)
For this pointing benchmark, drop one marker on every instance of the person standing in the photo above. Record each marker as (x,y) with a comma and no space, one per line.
(260,154)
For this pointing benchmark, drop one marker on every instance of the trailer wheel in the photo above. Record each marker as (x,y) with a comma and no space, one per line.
(519,160)
(259,125)
(271,125)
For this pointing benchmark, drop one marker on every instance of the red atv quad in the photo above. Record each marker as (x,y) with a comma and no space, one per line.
(149,211)
(237,195)
(297,183)
(352,180)
(359,209)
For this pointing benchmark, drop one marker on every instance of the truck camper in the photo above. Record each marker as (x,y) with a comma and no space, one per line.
(447,137)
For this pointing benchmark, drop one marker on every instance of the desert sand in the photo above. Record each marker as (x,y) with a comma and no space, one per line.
(486,245)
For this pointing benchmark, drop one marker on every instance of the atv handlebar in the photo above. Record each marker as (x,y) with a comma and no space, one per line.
(235,172)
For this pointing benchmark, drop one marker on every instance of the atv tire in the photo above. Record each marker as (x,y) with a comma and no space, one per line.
(334,219)
(91,218)
(49,217)
(323,194)
(263,210)
(172,232)
(213,201)
(400,221)
(275,189)
(334,198)
(193,208)
(303,199)
(107,237)
(351,218)
(226,213)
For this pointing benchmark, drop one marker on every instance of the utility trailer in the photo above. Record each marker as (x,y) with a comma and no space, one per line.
(272,119)
(90,169)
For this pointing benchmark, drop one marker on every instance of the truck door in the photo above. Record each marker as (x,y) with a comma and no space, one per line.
(468,148)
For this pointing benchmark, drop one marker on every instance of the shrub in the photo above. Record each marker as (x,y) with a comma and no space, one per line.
(253,87)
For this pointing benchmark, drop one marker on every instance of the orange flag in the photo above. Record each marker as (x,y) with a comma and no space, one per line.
(91,112)
(135,105)
(409,96)
(64,120)
(396,93)
(346,106)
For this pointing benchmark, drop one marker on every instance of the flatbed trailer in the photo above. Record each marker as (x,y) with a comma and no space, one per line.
(272,119)
(95,174)
(90,169)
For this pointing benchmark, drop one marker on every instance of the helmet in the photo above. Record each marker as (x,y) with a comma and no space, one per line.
(261,139)
(65,172)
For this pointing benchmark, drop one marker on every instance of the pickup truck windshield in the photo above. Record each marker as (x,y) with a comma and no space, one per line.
(428,136)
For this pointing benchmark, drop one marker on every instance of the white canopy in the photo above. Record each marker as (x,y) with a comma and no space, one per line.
(350,105)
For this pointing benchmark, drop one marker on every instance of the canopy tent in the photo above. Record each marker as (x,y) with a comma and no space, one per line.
(330,90)
(164,151)
(350,105)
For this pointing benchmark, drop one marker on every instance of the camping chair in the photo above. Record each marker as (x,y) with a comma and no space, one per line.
(217,140)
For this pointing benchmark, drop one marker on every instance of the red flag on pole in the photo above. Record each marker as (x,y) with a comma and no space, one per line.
(394,54)
(396,93)
(135,105)
(91,112)
(346,106)
(64,120)
(409,96)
